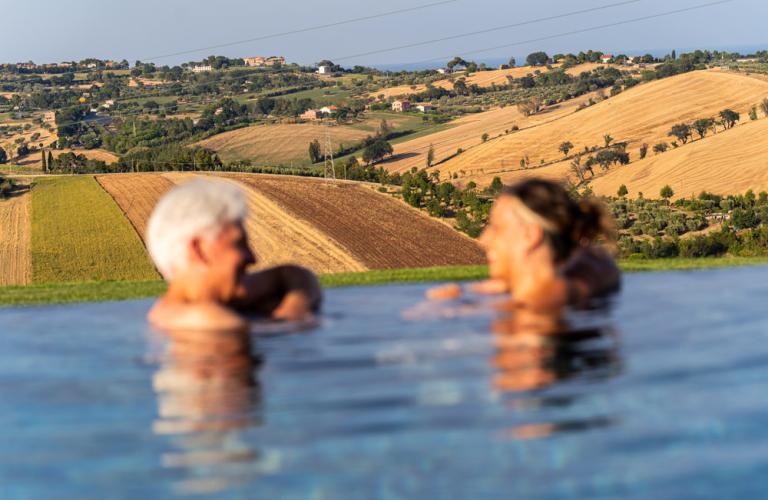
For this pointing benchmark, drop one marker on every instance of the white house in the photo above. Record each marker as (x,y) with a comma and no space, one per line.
(424,107)
(442,71)
(202,69)
(328,110)
(606,58)
(323,70)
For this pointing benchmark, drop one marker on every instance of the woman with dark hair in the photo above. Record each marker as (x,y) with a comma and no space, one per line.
(545,248)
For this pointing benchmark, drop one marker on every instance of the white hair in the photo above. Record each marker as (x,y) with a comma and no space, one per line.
(196,209)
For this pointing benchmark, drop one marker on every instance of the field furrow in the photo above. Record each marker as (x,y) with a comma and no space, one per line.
(379,231)
(136,194)
(14,240)
(278,237)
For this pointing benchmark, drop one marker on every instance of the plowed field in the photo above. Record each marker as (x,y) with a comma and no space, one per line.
(278,237)
(136,194)
(14,240)
(377,230)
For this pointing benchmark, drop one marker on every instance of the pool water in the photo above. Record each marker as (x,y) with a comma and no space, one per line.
(664,394)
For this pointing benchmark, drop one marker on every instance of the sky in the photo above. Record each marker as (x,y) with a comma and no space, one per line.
(149,30)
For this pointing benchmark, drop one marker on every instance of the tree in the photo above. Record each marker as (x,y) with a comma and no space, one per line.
(764,106)
(666,192)
(384,129)
(3,156)
(643,150)
(576,168)
(729,118)
(753,113)
(607,139)
(565,147)
(376,149)
(430,155)
(512,62)
(496,186)
(456,61)
(702,126)
(682,131)
(460,87)
(537,59)
(484,137)
(44,166)
(623,191)
(530,106)
(315,154)
(660,147)
(50,161)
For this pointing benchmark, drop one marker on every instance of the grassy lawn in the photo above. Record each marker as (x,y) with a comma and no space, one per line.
(58,293)
(80,234)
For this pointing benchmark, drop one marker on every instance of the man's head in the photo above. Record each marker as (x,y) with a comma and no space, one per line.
(196,232)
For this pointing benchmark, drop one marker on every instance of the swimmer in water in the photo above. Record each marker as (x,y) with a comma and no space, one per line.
(545,249)
(197,239)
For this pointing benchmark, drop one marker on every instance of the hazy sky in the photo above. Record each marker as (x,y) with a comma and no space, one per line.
(56,30)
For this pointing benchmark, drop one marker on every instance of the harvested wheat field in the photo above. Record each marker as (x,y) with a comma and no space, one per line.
(136,194)
(643,114)
(379,231)
(14,240)
(730,162)
(33,160)
(277,143)
(279,237)
(479,78)
(466,133)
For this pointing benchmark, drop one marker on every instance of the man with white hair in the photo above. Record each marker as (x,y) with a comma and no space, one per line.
(198,242)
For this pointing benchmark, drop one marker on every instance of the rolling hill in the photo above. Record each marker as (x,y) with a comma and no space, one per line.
(643,114)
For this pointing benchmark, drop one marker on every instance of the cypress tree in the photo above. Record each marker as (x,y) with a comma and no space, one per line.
(42,154)
(50,161)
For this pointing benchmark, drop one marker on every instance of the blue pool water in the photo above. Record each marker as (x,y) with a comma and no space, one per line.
(666,397)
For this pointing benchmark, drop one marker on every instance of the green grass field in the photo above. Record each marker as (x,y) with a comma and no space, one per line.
(59,293)
(80,234)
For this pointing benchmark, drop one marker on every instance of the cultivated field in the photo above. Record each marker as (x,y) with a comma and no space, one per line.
(78,233)
(45,137)
(480,78)
(136,194)
(278,237)
(379,231)
(265,144)
(730,162)
(643,114)
(14,240)
(466,133)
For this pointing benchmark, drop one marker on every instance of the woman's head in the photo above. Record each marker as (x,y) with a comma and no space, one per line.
(537,212)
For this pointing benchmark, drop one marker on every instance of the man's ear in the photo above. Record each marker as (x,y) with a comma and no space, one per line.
(196,252)
(534,236)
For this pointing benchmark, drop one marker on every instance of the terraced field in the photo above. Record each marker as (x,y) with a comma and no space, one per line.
(136,194)
(78,233)
(379,231)
(14,240)
(643,114)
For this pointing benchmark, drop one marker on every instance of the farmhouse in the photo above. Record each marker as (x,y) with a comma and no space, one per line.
(328,110)
(260,61)
(424,107)
(401,106)
(323,70)
(443,71)
(312,114)
(202,68)
(606,58)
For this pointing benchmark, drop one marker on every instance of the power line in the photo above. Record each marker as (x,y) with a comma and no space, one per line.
(489,30)
(303,30)
(583,30)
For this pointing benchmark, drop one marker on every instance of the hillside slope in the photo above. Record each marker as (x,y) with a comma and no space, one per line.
(730,162)
(643,114)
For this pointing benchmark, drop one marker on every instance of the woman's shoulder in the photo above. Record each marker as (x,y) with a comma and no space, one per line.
(170,315)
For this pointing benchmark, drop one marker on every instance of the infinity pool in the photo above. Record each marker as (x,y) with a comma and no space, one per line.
(665,395)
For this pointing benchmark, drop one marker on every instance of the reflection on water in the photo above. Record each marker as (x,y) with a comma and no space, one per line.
(535,350)
(208,395)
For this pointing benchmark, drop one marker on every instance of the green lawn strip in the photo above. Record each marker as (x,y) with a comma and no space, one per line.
(59,293)
(80,234)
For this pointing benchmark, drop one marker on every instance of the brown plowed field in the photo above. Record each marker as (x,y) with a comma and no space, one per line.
(379,231)
(136,195)
(279,237)
(14,240)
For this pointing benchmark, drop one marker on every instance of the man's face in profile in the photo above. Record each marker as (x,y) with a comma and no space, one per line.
(226,258)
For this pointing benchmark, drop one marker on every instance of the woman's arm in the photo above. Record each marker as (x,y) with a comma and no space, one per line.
(283,292)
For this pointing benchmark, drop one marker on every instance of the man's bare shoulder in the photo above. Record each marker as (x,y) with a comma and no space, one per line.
(169,315)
